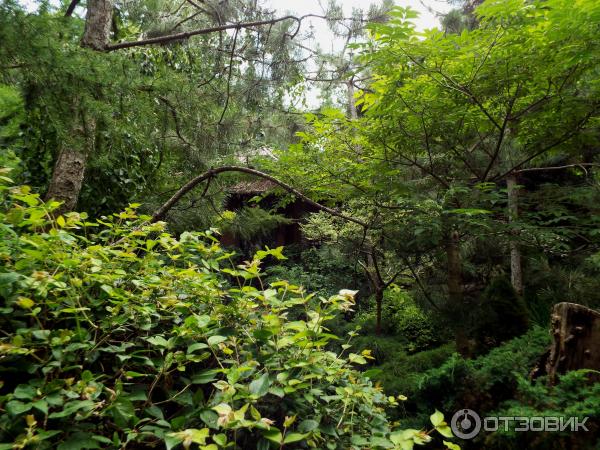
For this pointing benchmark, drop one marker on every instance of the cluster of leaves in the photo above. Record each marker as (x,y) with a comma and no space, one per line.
(117,334)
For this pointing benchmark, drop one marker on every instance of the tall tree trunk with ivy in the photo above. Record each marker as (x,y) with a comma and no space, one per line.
(455,291)
(516,271)
(69,169)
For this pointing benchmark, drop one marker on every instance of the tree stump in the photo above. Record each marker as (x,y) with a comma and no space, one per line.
(576,340)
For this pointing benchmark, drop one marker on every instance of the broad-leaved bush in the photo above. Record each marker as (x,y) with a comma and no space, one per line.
(116,334)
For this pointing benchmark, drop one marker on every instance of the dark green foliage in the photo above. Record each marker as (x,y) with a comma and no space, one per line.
(413,328)
(252,223)
(572,396)
(503,315)
(482,383)
(324,270)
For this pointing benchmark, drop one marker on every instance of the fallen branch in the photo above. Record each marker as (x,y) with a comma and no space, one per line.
(162,211)
(188,34)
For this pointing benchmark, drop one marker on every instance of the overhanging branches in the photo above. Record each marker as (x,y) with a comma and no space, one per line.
(162,211)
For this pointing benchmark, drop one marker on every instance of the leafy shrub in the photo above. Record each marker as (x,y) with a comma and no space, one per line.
(404,319)
(482,383)
(399,373)
(252,223)
(116,334)
(572,396)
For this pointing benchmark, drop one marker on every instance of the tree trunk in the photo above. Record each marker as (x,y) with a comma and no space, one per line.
(352,112)
(69,169)
(576,340)
(378,304)
(455,292)
(516,271)
(97,24)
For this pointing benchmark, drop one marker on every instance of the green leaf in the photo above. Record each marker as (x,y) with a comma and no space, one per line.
(41,405)
(260,386)
(436,418)
(123,412)
(159,341)
(79,441)
(444,430)
(16,407)
(24,392)
(451,446)
(308,425)
(205,376)
(273,435)
(220,439)
(209,417)
(71,408)
(197,346)
(294,437)
(215,340)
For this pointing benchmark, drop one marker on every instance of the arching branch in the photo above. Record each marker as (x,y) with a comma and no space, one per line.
(162,211)
(567,166)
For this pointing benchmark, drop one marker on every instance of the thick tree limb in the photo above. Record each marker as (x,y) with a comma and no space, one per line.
(188,34)
(239,25)
(71,8)
(162,211)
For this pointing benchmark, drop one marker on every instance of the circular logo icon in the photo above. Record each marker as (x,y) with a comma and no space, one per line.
(465,424)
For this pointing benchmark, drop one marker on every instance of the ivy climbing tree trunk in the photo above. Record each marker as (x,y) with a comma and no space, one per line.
(352,112)
(69,169)
(455,291)
(516,271)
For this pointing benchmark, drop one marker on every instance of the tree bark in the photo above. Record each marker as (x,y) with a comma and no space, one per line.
(455,292)
(516,270)
(352,112)
(67,179)
(69,169)
(161,212)
(576,340)
(97,24)
(379,306)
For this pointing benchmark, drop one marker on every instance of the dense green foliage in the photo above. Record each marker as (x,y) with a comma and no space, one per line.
(117,334)
(456,171)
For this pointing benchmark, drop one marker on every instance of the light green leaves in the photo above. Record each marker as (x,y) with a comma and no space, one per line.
(191,436)
(158,342)
(437,420)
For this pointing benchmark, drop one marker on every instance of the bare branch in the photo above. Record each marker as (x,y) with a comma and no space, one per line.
(188,34)
(162,211)
(228,93)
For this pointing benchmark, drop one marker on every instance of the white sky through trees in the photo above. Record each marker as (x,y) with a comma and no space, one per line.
(322,36)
